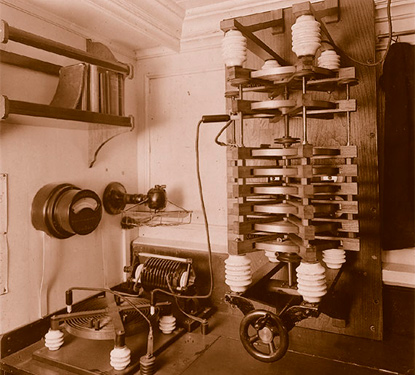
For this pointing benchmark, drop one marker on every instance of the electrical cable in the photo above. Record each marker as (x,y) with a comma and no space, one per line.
(220,133)
(206,225)
(342,52)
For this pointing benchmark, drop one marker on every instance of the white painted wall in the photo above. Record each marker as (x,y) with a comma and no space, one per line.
(35,152)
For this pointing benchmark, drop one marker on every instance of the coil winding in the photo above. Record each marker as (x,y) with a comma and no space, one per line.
(157,272)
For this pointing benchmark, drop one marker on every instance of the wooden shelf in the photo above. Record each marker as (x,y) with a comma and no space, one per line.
(91,91)
(16,107)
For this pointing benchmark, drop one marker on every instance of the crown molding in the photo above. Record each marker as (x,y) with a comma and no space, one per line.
(160,20)
(129,25)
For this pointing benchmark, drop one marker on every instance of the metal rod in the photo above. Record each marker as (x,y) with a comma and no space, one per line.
(241,116)
(36,41)
(348,115)
(397,33)
(182,260)
(304,113)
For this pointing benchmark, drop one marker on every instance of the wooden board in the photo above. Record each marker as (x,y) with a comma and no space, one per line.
(362,281)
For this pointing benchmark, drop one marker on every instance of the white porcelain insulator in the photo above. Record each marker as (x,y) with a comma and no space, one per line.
(167,324)
(329,59)
(334,258)
(234,49)
(270,64)
(54,339)
(120,357)
(272,256)
(306,37)
(238,273)
(311,281)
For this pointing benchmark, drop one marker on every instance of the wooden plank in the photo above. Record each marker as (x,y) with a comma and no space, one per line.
(36,41)
(29,63)
(8,107)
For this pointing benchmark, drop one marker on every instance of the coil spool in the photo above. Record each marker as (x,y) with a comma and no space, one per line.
(158,272)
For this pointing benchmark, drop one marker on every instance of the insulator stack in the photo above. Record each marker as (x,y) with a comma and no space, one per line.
(234,49)
(334,258)
(167,324)
(329,59)
(311,281)
(120,357)
(238,272)
(306,38)
(147,365)
(163,273)
(54,339)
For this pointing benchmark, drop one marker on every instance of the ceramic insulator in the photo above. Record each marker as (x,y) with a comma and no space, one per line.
(272,256)
(334,258)
(329,59)
(147,365)
(311,281)
(120,357)
(238,274)
(234,48)
(270,64)
(306,38)
(167,324)
(54,339)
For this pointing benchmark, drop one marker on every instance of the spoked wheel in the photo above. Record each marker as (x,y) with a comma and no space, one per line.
(264,336)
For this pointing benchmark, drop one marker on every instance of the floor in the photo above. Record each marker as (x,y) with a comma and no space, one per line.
(220,352)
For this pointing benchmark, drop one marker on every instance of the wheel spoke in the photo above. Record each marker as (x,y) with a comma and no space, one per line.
(254,338)
(272,348)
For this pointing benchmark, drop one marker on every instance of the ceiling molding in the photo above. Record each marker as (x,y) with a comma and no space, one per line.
(129,25)
(160,20)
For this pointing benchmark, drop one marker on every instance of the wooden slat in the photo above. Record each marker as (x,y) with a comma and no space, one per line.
(8,107)
(45,44)
(29,63)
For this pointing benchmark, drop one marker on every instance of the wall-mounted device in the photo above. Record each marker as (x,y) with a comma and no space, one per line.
(151,209)
(63,210)
(116,198)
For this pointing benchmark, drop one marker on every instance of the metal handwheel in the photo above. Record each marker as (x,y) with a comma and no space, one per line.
(264,336)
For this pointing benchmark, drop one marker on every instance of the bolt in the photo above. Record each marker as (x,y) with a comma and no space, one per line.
(372,328)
